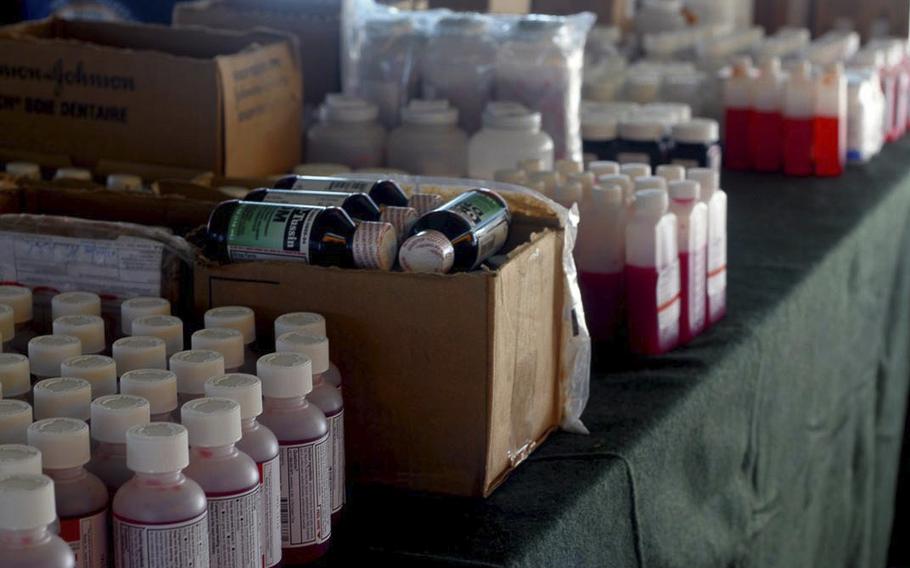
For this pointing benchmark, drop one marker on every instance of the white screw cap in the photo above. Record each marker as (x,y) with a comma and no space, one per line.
(26,502)
(20,299)
(285,375)
(75,304)
(212,422)
(7,323)
(684,190)
(113,415)
(157,386)
(708,179)
(245,390)
(168,328)
(98,370)
(241,318)
(141,306)
(306,322)
(228,342)
(635,170)
(603,168)
(650,182)
(15,374)
(158,447)
(652,201)
(194,367)
(316,347)
(63,398)
(15,417)
(89,330)
(139,352)
(19,458)
(46,352)
(671,172)
(64,442)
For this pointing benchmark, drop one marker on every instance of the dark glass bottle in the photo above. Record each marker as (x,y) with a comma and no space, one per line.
(383,192)
(358,205)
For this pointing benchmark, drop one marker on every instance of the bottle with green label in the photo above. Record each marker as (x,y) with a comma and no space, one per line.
(358,205)
(324,236)
(382,192)
(458,236)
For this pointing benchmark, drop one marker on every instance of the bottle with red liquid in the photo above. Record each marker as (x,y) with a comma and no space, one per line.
(652,274)
(27,511)
(831,122)
(737,114)
(692,240)
(799,124)
(766,129)
(716,200)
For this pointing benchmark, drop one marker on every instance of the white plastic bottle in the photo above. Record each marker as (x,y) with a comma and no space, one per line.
(139,307)
(193,368)
(766,120)
(671,172)
(98,370)
(303,437)
(26,512)
(652,275)
(327,399)
(15,417)
(429,143)
(63,397)
(15,376)
(46,352)
(716,200)
(168,328)
(139,352)
(831,122)
(89,330)
(623,181)
(75,304)
(82,499)
(738,114)
(603,168)
(158,386)
(635,170)
(160,518)
(348,134)
(259,443)
(798,125)
(692,240)
(650,182)
(228,342)
(229,478)
(112,416)
(20,299)
(511,133)
(19,459)
(241,318)
(388,67)
(308,323)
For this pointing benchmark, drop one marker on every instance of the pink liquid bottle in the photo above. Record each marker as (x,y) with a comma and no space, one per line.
(692,240)
(241,318)
(192,369)
(98,370)
(259,443)
(160,518)
(799,125)
(112,416)
(652,274)
(228,342)
(15,376)
(303,438)
(716,200)
(82,499)
(766,128)
(19,459)
(737,114)
(229,478)
(20,299)
(326,398)
(27,511)
(15,418)
(831,122)
(308,323)
(157,386)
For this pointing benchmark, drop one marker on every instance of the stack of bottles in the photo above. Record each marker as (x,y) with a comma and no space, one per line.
(136,452)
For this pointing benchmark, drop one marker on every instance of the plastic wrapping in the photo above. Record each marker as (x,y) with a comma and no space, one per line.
(391,56)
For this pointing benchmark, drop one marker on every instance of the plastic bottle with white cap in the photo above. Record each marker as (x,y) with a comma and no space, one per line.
(641,140)
(652,275)
(112,416)
(139,352)
(549,180)
(429,142)
(47,352)
(533,165)
(124,182)
(98,370)
(650,182)
(716,200)
(15,417)
(193,368)
(15,376)
(671,172)
(259,443)
(89,330)
(767,119)
(696,144)
(623,181)
(160,515)
(158,386)
(24,170)
(798,127)
(511,134)
(327,398)
(81,498)
(20,299)
(831,122)
(635,170)
(75,304)
(737,113)
(303,438)
(227,341)
(599,134)
(27,511)
(139,307)
(229,478)
(511,175)
(347,134)
(7,327)
(308,323)
(241,318)
(63,397)
(19,459)
(692,240)
(569,193)
(603,168)
(168,328)
(80,174)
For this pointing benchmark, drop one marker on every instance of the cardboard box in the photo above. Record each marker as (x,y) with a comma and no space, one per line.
(88,92)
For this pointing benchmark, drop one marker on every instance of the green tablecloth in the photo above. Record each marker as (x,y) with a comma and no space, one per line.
(771,441)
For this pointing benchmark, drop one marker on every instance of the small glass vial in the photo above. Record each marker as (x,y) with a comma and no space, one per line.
(20,299)
(158,386)
(19,459)
(241,318)
(228,342)
(327,399)
(671,172)
(382,192)
(303,437)
(100,371)
(81,498)
(75,304)
(24,170)
(692,239)
(112,416)
(641,141)
(27,511)
(358,205)
(15,376)
(139,352)
(193,368)
(308,323)
(160,518)
(15,417)
(89,330)
(7,326)
(63,398)
(47,352)
(168,328)
(259,443)
(229,478)
(139,307)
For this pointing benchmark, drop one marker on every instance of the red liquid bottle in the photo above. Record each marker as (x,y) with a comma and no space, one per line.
(692,241)
(798,122)
(766,128)
(831,122)
(716,200)
(737,115)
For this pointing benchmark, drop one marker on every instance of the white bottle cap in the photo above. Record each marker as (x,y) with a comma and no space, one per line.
(15,416)
(63,442)
(599,126)
(114,414)
(15,375)
(603,168)
(569,193)
(245,390)
(73,173)
(141,306)
(427,251)
(26,502)
(650,182)
(608,195)
(20,299)
(402,218)
(622,180)
(635,170)
(241,318)
(567,167)
(75,304)
(228,342)
(157,386)
(212,422)
(46,352)
(586,179)
(194,367)
(28,170)
(124,182)
(671,172)
(139,352)
(642,130)
(651,201)
(375,245)
(709,180)
(305,322)
(168,328)
(158,447)
(98,370)
(532,165)
(686,190)
(285,375)
(316,347)
(19,459)
(697,131)
(424,202)
(63,397)
(89,330)
(7,323)
(518,177)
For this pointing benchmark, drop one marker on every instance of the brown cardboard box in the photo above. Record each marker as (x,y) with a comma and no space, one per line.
(91,92)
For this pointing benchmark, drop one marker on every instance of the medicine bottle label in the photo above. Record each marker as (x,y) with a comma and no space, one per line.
(668,302)
(234,529)
(633,158)
(717,262)
(321,199)
(478,208)
(492,239)
(306,501)
(258,232)
(342,185)
(87,536)
(171,545)
(696,288)
(336,435)
(270,517)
